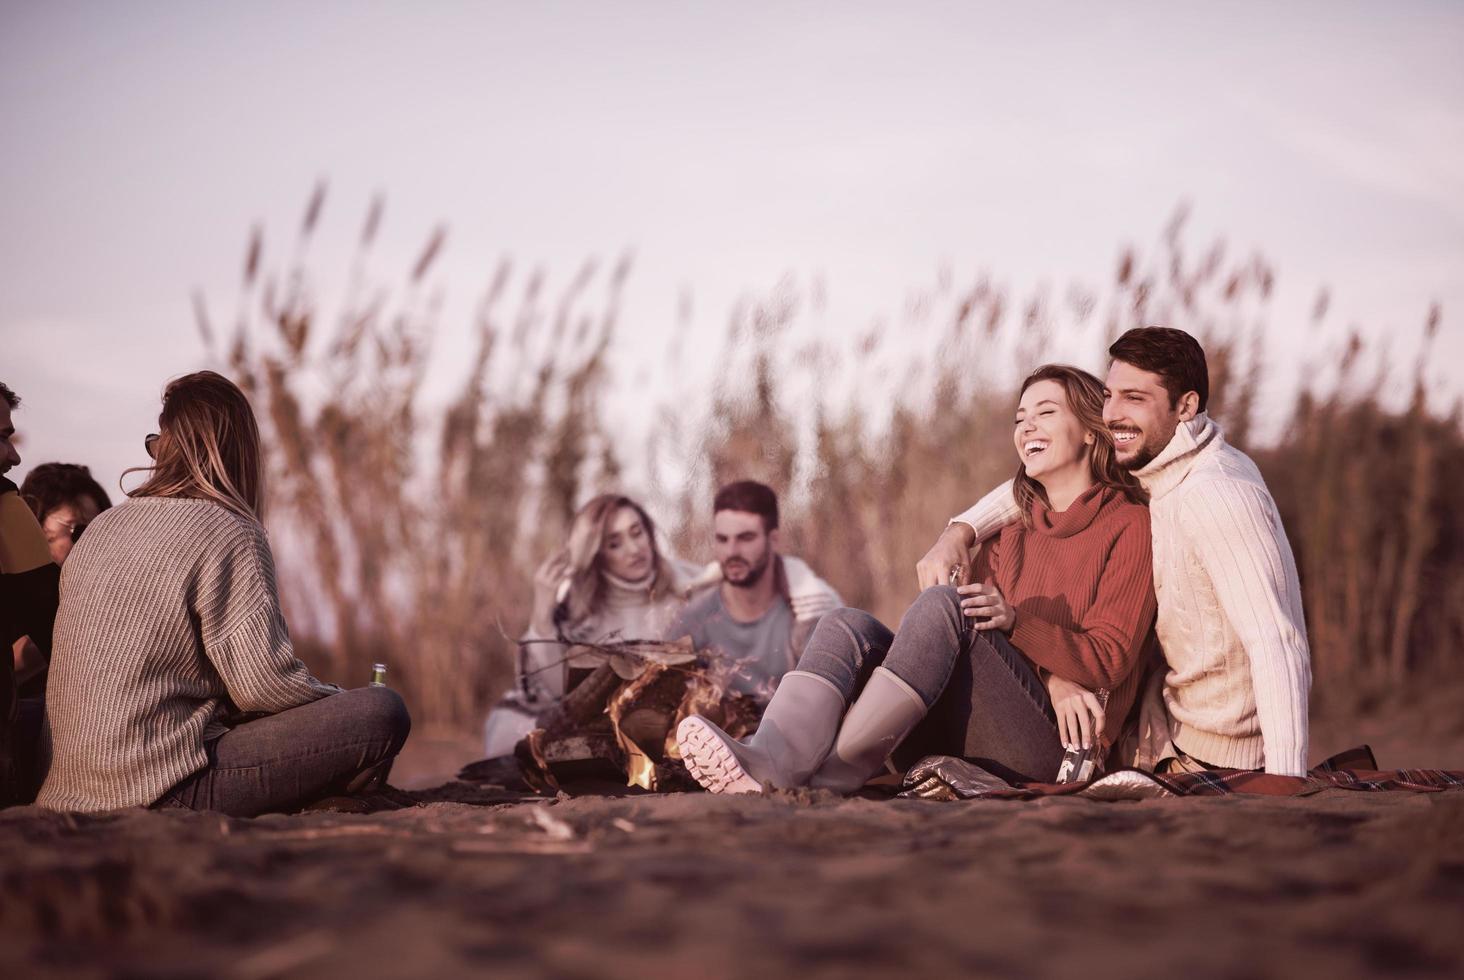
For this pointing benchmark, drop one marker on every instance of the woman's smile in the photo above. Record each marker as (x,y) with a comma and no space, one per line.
(1048,435)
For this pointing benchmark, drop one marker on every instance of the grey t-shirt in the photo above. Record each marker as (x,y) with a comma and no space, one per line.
(762,649)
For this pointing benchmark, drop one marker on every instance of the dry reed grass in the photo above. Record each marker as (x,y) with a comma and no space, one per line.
(423,559)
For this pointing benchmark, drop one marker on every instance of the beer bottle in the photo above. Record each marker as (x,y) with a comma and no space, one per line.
(1080,765)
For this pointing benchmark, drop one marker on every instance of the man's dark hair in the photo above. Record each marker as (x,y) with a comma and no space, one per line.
(9,397)
(1174,355)
(750,497)
(51,485)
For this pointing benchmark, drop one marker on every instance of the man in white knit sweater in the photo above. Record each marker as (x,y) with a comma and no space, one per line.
(1230,624)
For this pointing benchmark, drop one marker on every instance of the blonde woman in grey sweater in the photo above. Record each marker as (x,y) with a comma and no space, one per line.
(173,680)
(610,582)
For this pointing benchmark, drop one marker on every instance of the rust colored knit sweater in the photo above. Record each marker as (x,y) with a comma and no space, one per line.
(1082,584)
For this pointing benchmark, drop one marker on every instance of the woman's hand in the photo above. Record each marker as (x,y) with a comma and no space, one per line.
(1079,712)
(547,579)
(987,607)
(28,658)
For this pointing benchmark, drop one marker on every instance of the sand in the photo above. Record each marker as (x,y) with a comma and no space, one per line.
(480,879)
(1340,885)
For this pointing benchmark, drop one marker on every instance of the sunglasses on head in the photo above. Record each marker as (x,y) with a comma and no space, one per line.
(150,443)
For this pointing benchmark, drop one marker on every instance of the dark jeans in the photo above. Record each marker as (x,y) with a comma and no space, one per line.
(340,744)
(985,700)
(19,738)
(30,718)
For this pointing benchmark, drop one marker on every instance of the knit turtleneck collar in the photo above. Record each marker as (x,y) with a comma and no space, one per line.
(1079,514)
(1192,439)
(624,591)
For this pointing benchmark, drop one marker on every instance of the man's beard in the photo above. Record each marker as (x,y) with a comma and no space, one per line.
(1145,454)
(753,576)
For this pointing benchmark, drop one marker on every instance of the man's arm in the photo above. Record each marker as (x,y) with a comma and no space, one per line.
(983,519)
(1239,539)
(29,580)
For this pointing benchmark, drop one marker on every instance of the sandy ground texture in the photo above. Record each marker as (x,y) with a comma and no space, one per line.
(1340,885)
(480,879)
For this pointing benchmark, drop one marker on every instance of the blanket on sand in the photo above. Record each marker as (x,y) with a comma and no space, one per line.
(942,777)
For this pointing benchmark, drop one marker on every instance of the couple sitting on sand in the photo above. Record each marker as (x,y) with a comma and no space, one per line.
(612,587)
(1125,491)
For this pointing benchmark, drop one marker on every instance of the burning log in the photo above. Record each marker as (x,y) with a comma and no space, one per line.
(626,711)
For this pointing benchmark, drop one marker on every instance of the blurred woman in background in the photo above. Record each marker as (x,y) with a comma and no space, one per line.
(65,499)
(610,582)
(173,680)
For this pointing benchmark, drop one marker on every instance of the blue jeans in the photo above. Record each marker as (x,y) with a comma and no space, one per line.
(339,744)
(986,702)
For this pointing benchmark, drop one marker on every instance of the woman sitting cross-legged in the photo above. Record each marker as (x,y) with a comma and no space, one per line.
(1005,671)
(173,681)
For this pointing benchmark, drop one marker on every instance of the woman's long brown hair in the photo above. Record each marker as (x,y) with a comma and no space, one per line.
(1085,397)
(586,537)
(208,446)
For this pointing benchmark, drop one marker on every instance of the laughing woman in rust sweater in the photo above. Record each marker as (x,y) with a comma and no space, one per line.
(1004,671)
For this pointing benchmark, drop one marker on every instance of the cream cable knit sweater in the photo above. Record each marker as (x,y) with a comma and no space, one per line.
(169,623)
(1230,615)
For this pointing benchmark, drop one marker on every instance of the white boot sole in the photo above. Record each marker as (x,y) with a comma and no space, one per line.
(710,760)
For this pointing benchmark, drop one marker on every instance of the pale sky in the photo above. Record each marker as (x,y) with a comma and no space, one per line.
(727,145)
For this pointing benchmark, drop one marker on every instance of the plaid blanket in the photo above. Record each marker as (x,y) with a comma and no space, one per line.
(947,778)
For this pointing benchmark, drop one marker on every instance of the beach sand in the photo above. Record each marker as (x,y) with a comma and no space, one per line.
(1340,885)
(481,880)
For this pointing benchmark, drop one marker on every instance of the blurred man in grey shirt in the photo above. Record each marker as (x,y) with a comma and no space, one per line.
(766,605)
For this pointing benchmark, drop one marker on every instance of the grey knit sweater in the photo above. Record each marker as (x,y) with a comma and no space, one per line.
(169,623)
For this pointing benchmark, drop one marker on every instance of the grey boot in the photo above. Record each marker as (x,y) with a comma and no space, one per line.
(885,712)
(793,737)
